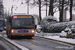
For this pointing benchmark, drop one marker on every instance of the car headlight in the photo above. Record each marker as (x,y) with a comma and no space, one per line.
(12,31)
(32,31)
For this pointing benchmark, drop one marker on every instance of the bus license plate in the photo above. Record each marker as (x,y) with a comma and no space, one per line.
(22,31)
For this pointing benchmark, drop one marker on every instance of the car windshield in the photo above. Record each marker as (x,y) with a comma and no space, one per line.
(22,22)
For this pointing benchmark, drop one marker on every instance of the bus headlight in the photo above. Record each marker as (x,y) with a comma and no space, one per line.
(32,31)
(12,31)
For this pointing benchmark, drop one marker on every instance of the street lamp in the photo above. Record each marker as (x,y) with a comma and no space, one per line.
(12,9)
(27,6)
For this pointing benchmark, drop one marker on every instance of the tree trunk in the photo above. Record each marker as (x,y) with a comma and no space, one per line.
(61,7)
(51,7)
(40,9)
(71,2)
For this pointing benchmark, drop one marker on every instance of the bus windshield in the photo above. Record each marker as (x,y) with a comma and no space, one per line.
(23,22)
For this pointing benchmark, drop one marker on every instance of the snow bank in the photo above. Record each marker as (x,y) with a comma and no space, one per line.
(61,39)
(69,40)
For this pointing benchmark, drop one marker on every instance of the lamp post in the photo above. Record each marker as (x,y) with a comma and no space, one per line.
(28,7)
(12,9)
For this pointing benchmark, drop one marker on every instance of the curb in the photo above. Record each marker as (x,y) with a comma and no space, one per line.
(15,44)
(57,40)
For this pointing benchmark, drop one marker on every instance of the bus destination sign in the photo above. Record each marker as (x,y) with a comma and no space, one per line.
(24,17)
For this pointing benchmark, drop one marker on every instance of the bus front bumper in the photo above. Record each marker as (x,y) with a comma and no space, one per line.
(22,34)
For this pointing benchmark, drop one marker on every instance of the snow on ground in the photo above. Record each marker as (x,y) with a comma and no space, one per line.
(61,39)
(69,40)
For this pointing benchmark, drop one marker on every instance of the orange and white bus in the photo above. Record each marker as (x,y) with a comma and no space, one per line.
(20,25)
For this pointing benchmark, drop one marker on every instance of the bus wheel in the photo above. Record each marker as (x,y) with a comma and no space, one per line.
(9,36)
(0,30)
(30,37)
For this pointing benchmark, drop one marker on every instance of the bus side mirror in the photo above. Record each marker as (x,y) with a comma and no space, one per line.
(35,26)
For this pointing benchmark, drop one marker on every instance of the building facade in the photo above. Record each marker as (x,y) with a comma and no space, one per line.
(1,9)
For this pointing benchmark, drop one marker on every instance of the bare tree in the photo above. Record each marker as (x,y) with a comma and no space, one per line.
(47,3)
(39,9)
(61,7)
(51,7)
(71,2)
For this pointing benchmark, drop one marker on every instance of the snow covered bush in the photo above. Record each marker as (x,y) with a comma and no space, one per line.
(73,28)
(63,34)
(47,21)
(52,26)
(69,32)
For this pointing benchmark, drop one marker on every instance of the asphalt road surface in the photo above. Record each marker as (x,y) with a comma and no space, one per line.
(37,43)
